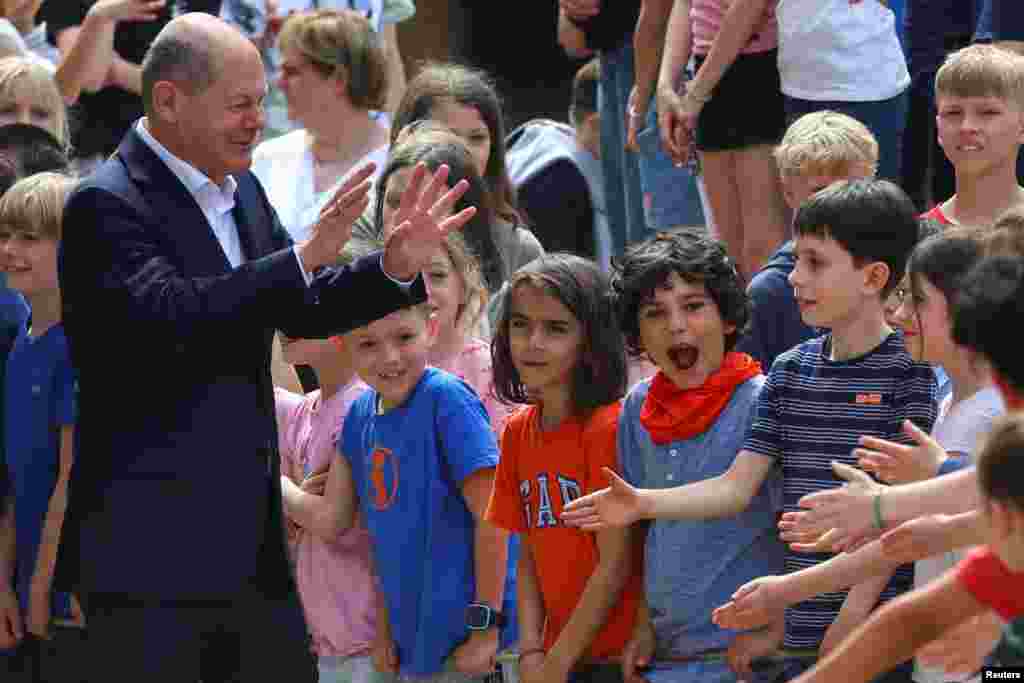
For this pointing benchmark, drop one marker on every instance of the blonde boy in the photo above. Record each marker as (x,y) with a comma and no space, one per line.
(817,150)
(40,413)
(979,93)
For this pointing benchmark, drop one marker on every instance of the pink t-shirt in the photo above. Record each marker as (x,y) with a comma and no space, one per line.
(336,580)
(706,19)
(473,366)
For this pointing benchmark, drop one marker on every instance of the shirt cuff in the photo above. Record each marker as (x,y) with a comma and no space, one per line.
(404,284)
(308,277)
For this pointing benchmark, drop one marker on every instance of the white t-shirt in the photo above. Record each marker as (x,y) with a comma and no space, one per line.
(284,167)
(958,430)
(838,50)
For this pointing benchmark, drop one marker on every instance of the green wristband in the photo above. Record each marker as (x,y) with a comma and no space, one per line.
(879,522)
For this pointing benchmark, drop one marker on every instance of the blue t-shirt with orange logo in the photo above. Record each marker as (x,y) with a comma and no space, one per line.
(407,468)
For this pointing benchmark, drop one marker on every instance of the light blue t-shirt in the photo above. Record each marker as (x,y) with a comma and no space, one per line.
(407,468)
(693,566)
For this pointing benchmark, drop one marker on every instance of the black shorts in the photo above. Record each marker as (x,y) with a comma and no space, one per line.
(746,107)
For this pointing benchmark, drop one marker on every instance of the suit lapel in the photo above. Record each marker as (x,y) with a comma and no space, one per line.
(173,210)
(255,242)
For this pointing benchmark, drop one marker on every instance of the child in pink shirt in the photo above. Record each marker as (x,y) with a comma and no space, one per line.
(335,576)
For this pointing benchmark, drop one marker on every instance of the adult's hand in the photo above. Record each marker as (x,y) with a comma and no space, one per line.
(334,226)
(423,220)
(636,116)
(127,10)
(848,509)
(675,136)
(580,9)
(896,463)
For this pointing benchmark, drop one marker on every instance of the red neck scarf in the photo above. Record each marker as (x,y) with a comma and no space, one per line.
(673,414)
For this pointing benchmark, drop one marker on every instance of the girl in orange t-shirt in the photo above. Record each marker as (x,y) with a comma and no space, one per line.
(558,347)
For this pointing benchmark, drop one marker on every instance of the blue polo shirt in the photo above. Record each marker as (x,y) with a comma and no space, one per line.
(39,398)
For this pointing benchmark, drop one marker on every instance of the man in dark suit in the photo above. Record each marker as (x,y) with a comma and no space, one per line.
(175,273)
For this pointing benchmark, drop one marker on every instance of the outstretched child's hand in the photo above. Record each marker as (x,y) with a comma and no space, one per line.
(754,604)
(848,509)
(896,463)
(477,656)
(616,506)
(11,631)
(639,652)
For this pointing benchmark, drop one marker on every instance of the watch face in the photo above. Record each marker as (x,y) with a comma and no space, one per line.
(478,616)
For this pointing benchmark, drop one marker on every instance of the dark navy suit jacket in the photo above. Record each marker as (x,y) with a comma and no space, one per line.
(175,492)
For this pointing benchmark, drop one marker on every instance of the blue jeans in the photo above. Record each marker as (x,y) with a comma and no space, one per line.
(886,119)
(623,193)
(671,197)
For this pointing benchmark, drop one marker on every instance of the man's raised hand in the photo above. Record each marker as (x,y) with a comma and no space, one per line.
(334,226)
(422,222)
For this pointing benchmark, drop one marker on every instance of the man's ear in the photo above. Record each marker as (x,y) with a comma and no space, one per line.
(876,276)
(167,101)
(433,326)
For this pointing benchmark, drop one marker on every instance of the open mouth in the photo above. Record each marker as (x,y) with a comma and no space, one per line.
(683,356)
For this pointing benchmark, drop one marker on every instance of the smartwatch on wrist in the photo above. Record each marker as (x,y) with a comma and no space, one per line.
(480,617)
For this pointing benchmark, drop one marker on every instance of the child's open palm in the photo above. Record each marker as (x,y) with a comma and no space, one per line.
(618,505)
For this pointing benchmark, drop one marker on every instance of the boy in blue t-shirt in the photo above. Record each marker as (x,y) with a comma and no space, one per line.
(40,409)
(418,461)
(852,243)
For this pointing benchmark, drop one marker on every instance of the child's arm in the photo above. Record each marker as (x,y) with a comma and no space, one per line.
(933,534)
(754,602)
(10,614)
(531,613)
(850,509)
(896,631)
(621,504)
(328,515)
(601,593)
(490,555)
(42,577)
(859,602)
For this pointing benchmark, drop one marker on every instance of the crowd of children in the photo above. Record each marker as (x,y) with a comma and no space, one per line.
(642,468)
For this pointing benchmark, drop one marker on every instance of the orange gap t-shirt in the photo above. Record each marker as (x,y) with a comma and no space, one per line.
(538,474)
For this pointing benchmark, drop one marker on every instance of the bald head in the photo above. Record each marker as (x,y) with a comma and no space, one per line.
(190,52)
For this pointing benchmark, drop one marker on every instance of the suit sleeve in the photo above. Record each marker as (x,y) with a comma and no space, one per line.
(112,253)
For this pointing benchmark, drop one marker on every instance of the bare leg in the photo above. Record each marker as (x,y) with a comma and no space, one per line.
(761,205)
(723,196)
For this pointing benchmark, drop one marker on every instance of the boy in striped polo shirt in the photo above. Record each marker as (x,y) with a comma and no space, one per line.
(852,242)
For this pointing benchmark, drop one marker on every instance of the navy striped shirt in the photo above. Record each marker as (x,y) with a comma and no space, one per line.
(811,412)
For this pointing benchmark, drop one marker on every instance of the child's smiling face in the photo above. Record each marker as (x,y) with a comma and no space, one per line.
(390,354)
(682,331)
